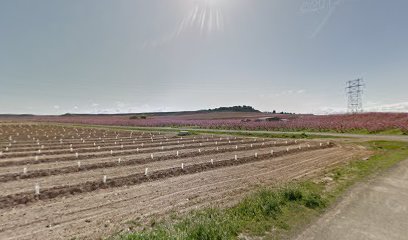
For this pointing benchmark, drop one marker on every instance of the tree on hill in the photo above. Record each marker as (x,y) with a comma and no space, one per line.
(234,109)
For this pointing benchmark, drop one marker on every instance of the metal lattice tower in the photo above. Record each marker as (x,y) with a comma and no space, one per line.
(354,91)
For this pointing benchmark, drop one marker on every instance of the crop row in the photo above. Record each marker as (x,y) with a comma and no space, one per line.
(169,151)
(133,179)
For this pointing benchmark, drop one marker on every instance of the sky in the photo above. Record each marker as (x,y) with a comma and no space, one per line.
(100,56)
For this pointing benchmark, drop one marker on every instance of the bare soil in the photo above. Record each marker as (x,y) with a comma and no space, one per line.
(75,202)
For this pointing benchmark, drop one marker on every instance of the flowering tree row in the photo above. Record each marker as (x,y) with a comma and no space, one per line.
(370,122)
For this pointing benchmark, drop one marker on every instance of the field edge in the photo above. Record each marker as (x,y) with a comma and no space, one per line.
(278,212)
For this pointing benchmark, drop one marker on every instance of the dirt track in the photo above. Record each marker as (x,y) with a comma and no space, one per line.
(374,210)
(78,203)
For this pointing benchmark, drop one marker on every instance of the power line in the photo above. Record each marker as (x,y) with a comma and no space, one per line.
(354,90)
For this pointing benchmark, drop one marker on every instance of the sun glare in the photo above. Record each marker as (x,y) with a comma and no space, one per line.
(205,16)
(210,3)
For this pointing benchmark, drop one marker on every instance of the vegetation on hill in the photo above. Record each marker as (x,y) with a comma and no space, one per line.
(138,117)
(242,108)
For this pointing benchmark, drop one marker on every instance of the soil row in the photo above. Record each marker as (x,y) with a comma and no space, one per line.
(63,149)
(79,139)
(84,142)
(54,192)
(135,161)
(71,157)
(49,137)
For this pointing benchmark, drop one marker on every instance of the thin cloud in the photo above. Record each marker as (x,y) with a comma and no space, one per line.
(288,92)
(392,107)
(326,7)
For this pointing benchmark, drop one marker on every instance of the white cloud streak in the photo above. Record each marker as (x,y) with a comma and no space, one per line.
(392,107)
(326,7)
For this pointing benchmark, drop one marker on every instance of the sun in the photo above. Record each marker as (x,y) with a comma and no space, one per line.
(210,3)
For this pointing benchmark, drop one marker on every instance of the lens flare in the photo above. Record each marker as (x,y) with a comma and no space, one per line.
(204,18)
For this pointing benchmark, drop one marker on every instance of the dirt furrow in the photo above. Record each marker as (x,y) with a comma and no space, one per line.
(70,157)
(118,146)
(140,159)
(50,193)
(187,184)
(27,184)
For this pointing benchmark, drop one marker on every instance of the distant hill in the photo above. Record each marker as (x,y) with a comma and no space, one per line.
(232,109)
(16,115)
(243,108)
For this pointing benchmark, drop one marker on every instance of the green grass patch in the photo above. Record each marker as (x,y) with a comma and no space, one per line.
(193,131)
(394,131)
(300,135)
(255,214)
(387,154)
(274,212)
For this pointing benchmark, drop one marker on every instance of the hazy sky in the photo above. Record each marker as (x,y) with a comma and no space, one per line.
(157,55)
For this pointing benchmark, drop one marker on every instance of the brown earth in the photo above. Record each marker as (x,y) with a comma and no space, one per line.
(75,203)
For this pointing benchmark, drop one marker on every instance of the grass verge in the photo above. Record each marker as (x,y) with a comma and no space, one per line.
(265,134)
(274,212)
(300,135)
